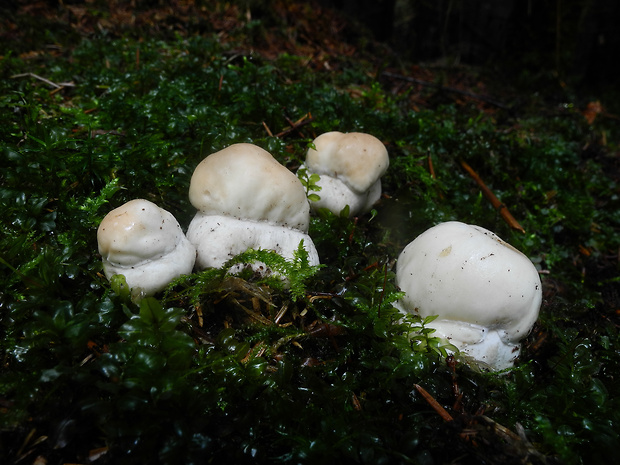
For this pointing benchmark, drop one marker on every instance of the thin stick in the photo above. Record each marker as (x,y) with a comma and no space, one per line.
(383,290)
(497,204)
(267,129)
(482,98)
(294,125)
(306,119)
(298,122)
(47,81)
(443,413)
(431,168)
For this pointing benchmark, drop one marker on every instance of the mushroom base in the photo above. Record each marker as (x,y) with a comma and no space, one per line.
(487,346)
(151,276)
(219,238)
(335,195)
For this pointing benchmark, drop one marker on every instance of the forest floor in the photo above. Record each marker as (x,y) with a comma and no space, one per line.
(90,87)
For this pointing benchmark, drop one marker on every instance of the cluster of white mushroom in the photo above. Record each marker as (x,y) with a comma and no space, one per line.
(486,294)
(245,200)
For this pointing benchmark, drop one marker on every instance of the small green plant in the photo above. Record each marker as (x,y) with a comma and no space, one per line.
(422,337)
(281,274)
(309,181)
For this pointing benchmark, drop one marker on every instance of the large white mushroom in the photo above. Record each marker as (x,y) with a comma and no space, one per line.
(145,244)
(350,166)
(486,293)
(247,200)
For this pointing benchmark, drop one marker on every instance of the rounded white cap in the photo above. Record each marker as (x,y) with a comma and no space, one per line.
(244,181)
(476,283)
(357,159)
(145,244)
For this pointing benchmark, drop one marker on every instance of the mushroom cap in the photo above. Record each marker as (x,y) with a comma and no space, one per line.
(219,238)
(244,181)
(145,244)
(357,159)
(476,283)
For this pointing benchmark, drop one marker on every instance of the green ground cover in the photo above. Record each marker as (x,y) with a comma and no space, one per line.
(219,368)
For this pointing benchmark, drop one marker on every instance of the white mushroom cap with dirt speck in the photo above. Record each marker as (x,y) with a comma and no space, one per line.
(486,293)
(144,243)
(350,166)
(247,200)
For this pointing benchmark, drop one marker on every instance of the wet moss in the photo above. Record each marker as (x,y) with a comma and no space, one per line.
(242,368)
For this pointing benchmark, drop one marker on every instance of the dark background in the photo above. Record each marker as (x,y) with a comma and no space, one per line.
(579,40)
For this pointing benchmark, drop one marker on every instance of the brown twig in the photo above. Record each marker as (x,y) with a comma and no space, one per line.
(482,98)
(47,81)
(295,125)
(443,413)
(431,168)
(497,204)
(267,129)
(458,395)
(100,132)
(385,278)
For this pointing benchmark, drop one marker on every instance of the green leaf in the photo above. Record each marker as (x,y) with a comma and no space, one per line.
(151,311)
(429,319)
(119,285)
(313,179)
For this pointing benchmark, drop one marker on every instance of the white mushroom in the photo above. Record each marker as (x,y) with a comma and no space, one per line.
(350,166)
(247,200)
(145,244)
(486,293)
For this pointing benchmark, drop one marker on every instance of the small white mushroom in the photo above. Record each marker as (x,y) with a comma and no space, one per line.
(145,244)
(350,166)
(486,293)
(247,200)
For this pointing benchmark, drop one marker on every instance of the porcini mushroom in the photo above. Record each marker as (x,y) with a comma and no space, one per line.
(247,200)
(486,293)
(350,166)
(145,244)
